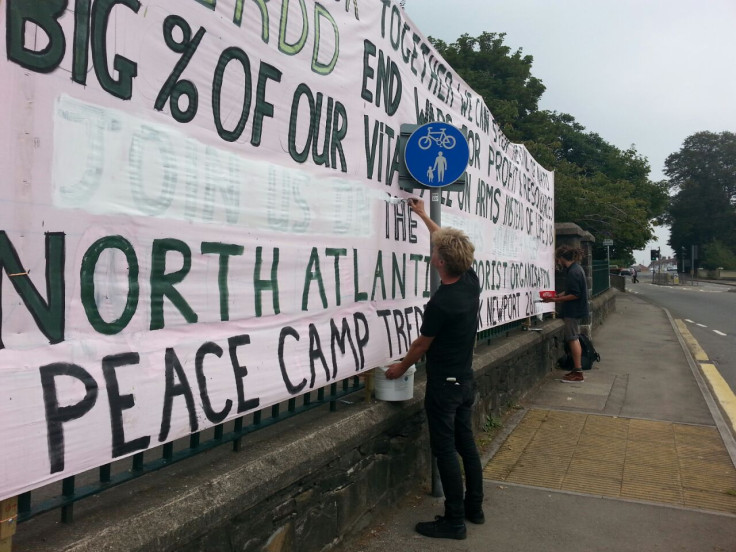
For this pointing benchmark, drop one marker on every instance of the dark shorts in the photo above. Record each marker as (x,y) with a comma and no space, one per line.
(572,328)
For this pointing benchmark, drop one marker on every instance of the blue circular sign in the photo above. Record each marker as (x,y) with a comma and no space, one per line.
(436,154)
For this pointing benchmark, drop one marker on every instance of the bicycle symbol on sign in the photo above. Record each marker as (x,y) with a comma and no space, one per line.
(438,137)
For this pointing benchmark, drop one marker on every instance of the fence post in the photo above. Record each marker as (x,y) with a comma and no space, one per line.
(8,522)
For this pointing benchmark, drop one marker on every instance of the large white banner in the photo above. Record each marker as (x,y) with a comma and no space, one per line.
(197,215)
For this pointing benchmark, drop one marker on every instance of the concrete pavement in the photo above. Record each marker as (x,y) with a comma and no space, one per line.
(637,458)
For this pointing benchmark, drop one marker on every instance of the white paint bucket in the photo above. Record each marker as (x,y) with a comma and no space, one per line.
(399,389)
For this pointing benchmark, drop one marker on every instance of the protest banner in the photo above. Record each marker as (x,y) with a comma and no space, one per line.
(196,214)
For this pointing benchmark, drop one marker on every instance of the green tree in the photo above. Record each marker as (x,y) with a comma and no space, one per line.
(718,255)
(603,189)
(501,77)
(702,209)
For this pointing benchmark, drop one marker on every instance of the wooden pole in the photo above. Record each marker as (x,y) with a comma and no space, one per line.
(8,522)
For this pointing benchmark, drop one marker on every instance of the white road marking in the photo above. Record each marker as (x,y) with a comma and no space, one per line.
(704,326)
(699,290)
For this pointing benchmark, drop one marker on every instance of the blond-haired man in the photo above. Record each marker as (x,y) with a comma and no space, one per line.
(447,337)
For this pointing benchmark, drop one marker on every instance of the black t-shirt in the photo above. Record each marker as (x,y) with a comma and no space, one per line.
(575,284)
(451,318)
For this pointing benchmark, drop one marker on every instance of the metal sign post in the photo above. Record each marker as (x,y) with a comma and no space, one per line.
(435,213)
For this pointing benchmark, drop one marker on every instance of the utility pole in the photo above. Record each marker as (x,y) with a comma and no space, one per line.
(693,252)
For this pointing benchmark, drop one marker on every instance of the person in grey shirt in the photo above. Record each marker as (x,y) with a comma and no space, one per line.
(574,306)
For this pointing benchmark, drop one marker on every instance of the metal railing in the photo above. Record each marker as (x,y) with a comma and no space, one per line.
(167,454)
(601,280)
(497,331)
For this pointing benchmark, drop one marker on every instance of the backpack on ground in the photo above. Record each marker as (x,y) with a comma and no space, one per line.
(590,355)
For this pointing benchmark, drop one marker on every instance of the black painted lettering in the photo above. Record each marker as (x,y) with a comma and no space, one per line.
(315,353)
(126,69)
(358,295)
(118,403)
(45,15)
(87,282)
(224,250)
(80,62)
(49,314)
(384,314)
(369,51)
(263,108)
(241,372)
(313,273)
(57,416)
(339,337)
(378,276)
(288,331)
(261,285)
(362,335)
(213,416)
(398,275)
(174,372)
(301,91)
(388,84)
(336,253)
(162,284)
(401,337)
(228,55)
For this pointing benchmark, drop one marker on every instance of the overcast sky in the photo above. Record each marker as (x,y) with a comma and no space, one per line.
(643,72)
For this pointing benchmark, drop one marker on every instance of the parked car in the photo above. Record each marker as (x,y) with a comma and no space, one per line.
(625,272)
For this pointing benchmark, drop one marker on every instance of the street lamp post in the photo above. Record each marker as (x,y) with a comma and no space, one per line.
(608,243)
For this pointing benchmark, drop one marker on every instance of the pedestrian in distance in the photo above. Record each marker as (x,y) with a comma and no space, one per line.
(447,337)
(574,306)
(634,276)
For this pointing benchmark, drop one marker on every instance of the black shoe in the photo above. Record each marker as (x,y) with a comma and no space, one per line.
(442,528)
(476,517)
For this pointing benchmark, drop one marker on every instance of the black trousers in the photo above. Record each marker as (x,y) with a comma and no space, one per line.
(449,419)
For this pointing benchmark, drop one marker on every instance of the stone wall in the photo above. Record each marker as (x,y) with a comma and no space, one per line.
(619,282)
(717,274)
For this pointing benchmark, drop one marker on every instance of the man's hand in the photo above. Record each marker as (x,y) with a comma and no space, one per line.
(416,350)
(561,298)
(417,205)
(395,371)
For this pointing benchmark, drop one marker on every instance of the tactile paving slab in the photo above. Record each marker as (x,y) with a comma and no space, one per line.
(655,461)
